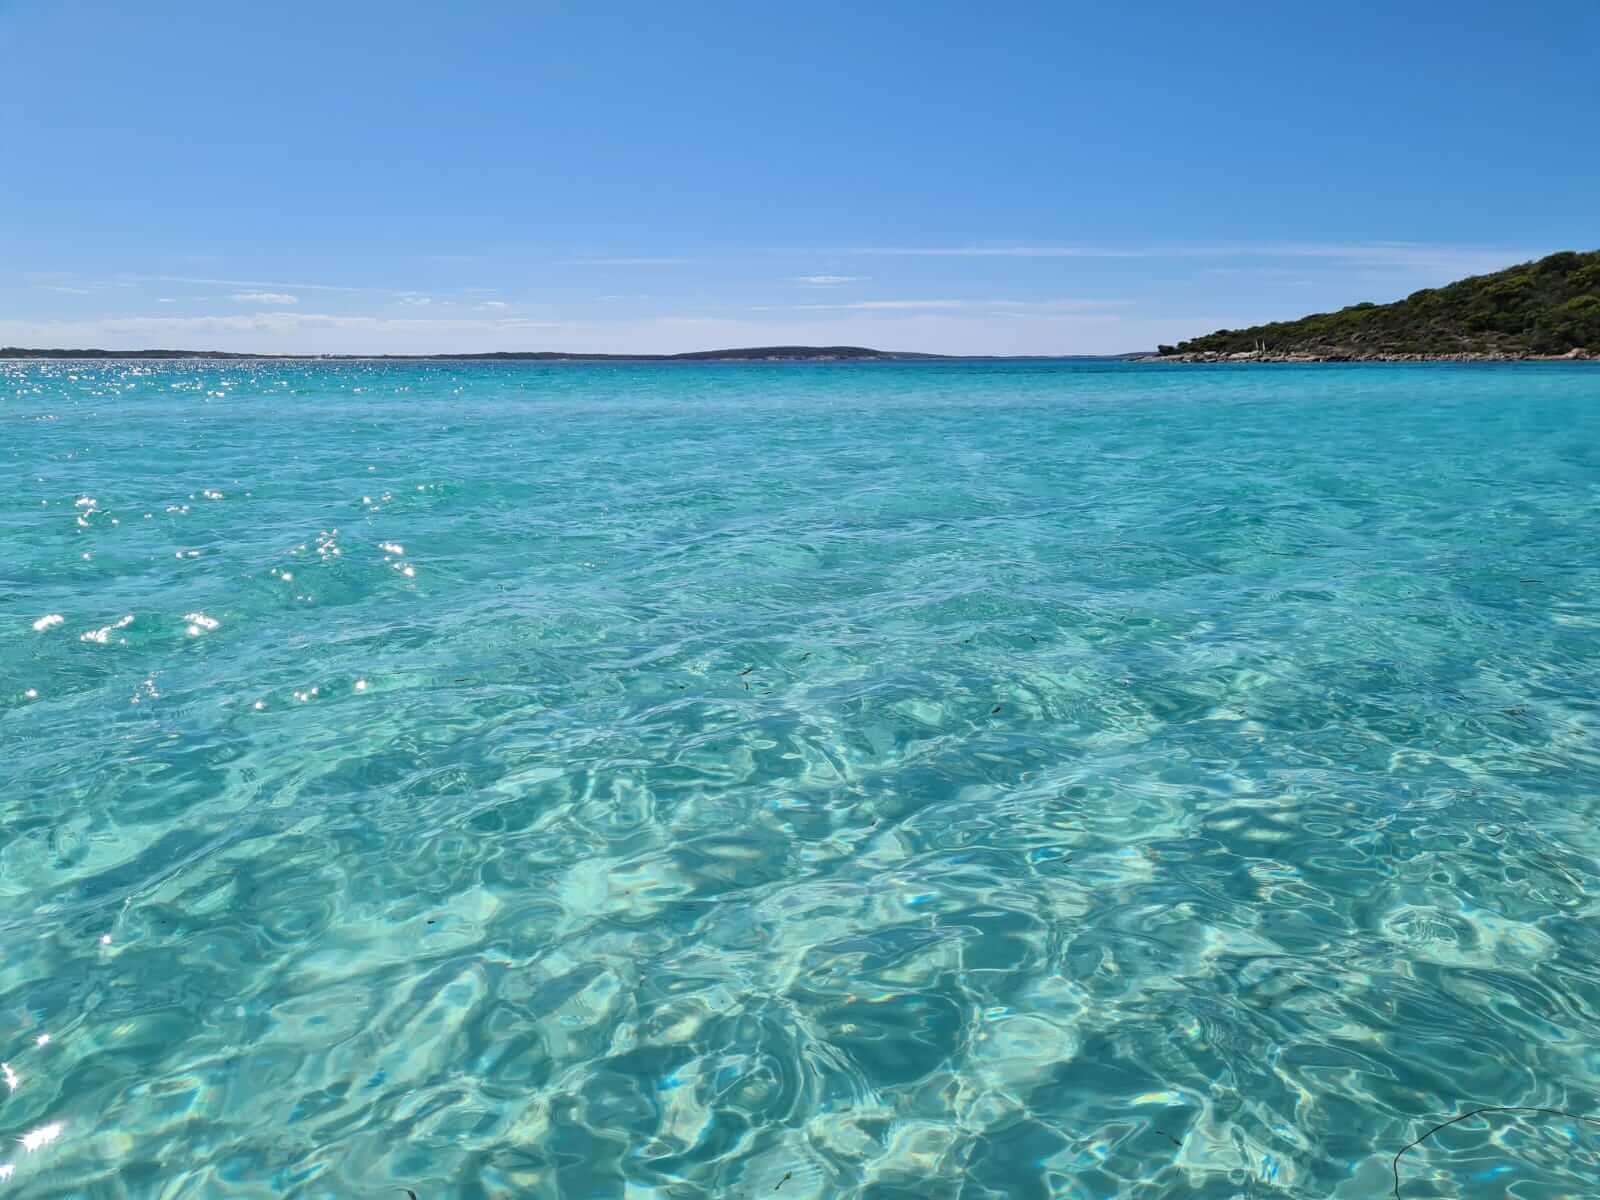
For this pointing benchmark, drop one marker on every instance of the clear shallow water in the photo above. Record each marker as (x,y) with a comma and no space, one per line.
(964,781)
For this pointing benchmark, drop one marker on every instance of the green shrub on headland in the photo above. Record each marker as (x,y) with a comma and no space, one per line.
(1549,307)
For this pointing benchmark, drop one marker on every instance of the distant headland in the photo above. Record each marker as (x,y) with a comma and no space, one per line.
(1539,311)
(764,354)
(741,354)
(749,354)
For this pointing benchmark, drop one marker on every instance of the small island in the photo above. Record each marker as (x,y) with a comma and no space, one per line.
(1544,310)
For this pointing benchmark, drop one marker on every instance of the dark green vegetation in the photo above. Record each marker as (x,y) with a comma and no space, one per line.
(1549,307)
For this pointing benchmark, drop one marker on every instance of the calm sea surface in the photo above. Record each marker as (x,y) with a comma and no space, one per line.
(979,781)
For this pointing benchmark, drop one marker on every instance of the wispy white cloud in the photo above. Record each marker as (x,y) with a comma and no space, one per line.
(165,300)
(1022,331)
(889,305)
(995,252)
(69,284)
(828,280)
(627,262)
(979,305)
(279,324)
(414,299)
(493,305)
(243,283)
(1257,272)
(1080,251)
(276,298)
(1412,255)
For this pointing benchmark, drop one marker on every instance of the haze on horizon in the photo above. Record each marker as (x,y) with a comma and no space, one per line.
(1033,178)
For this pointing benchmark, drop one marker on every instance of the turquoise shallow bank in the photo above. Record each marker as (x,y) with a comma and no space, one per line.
(977,781)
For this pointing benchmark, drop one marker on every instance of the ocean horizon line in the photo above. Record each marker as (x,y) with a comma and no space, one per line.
(731,354)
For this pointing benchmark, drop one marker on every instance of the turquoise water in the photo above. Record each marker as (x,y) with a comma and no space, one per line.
(937,780)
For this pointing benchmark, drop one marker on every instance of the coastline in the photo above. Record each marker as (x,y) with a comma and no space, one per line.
(790,354)
(779,354)
(739,354)
(1280,356)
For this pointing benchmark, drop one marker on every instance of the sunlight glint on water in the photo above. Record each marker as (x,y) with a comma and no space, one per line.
(958,780)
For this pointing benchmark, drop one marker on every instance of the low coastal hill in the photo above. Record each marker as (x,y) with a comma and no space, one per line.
(743,354)
(1544,309)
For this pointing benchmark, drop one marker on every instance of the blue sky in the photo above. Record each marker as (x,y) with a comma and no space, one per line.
(994,178)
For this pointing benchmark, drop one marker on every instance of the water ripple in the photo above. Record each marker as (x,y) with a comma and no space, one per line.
(973,781)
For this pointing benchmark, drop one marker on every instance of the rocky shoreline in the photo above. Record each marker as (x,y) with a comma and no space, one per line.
(1350,356)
